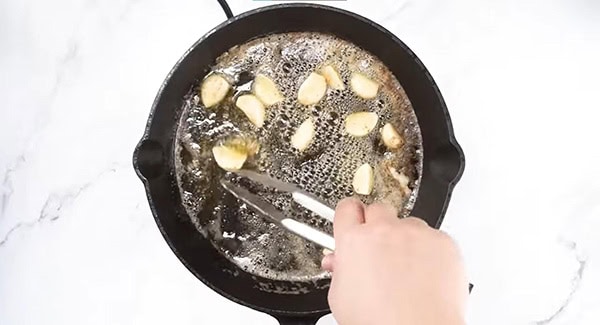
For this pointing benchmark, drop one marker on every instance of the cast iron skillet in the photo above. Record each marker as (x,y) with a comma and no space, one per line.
(289,302)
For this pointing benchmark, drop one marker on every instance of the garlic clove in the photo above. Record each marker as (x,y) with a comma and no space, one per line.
(391,138)
(361,123)
(229,158)
(213,90)
(402,179)
(332,77)
(364,180)
(312,89)
(363,86)
(303,135)
(266,90)
(253,108)
(246,144)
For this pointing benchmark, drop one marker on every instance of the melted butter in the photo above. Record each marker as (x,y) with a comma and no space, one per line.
(325,169)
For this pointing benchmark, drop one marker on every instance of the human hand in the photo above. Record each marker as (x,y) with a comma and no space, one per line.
(393,271)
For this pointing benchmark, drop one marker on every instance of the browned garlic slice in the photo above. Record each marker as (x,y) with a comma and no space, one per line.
(363,86)
(333,78)
(266,90)
(391,138)
(229,158)
(402,179)
(304,135)
(312,89)
(246,144)
(363,179)
(213,89)
(361,123)
(253,108)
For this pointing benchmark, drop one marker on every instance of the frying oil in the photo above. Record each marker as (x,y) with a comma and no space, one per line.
(325,169)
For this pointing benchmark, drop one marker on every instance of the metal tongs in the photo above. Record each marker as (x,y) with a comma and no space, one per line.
(268,211)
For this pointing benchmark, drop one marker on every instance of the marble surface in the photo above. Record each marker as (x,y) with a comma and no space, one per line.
(77,241)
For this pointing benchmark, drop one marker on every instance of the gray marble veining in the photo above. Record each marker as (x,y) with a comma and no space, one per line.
(78,244)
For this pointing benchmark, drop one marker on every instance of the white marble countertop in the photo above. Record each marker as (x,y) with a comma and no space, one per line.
(78,244)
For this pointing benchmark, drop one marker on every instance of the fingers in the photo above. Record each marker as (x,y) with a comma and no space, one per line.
(327,262)
(380,212)
(351,211)
(348,213)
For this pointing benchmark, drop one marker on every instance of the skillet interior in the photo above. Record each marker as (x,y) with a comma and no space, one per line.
(325,168)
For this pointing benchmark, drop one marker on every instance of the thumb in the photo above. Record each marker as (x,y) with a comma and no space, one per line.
(348,213)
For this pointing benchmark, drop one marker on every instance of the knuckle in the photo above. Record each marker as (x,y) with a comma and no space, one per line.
(381,208)
(412,228)
(380,230)
(447,241)
(415,222)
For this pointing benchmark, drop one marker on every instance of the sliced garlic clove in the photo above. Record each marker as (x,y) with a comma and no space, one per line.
(391,138)
(363,180)
(361,123)
(266,90)
(253,108)
(213,89)
(332,77)
(312,89)
(304,135)
(363,86)
(229,158)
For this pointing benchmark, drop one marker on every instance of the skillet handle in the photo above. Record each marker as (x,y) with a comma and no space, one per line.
(283,320)
(149,159)
(226,8)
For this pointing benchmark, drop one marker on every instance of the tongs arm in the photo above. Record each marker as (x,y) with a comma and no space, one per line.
(267,210)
